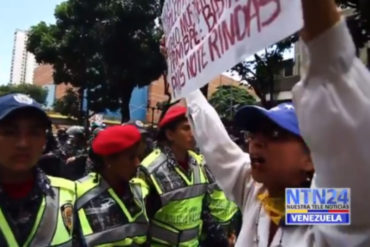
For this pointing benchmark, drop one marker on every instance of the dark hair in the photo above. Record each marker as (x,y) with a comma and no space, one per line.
(97,161)
(170,126)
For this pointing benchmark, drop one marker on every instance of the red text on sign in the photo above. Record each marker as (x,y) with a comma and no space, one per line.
(239,25)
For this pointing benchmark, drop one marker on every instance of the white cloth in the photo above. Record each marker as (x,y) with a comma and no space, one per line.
(333,107)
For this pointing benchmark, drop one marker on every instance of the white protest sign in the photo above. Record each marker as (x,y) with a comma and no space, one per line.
(206,37)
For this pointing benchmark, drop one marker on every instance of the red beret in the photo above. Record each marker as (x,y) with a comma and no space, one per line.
(172,114)
(115,139)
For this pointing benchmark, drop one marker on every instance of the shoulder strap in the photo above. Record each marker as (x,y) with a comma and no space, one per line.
(7,231)
(200,170)
(154,160)
(139,188)
(62,183)
(198,157)
(89,190)
(48,222)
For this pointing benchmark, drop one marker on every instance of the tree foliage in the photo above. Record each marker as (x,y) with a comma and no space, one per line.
(228,98)
(359,23)
(260,73)
(105,46)
(69,104)
(36,92)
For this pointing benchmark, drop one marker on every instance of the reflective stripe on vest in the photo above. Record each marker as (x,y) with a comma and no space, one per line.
(196,172)
(136,228)
(173,237)
(179,219)
(94,192)
(183,193)
(116,234)
(136,191)
(47,226)
(158,162)
(213,187)
(7,232)
(197,188)
(47,229)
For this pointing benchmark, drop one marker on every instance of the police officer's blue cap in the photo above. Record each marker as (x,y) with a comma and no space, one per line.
(283,115)
(11,103)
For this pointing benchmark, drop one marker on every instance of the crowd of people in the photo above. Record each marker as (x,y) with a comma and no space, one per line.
(170,199)
(190,184)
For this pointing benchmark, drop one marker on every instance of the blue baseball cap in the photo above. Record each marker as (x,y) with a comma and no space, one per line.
(12,102)
(283,115)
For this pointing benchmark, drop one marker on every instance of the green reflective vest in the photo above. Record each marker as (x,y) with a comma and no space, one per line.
(111,221)
(178,222)
(219,206)
(54,221)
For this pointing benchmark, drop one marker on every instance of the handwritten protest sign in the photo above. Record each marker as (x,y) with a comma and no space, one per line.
(206,37)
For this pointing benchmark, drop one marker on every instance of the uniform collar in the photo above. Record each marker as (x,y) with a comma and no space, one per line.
(42,183)
(172,160)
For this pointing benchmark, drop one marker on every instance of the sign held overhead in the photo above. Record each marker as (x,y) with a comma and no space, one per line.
(206,37)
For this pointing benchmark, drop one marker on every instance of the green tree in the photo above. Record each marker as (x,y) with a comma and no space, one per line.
(36,92)
(69,104)
(260,73)
(105,46)
(227,99)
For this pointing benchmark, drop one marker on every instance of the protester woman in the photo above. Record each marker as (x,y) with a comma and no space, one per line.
(333,108)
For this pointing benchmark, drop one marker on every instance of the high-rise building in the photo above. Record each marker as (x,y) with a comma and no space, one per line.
(23,62)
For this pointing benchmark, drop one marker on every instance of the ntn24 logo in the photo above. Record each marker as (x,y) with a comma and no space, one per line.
(323,196)
(318,219)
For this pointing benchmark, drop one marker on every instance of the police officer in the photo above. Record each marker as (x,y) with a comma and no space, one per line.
(178,184)
(76,151)
(50,162)
(110,206)
(35,209)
